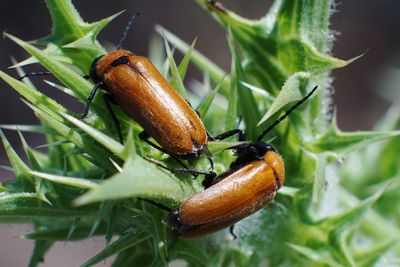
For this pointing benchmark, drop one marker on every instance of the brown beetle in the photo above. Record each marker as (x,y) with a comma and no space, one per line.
(134,83)
(143,93)
(250,183)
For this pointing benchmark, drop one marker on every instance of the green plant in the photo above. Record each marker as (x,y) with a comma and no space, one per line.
(88,184)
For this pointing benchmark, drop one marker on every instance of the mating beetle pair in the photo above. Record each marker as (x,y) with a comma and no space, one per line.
(142,92)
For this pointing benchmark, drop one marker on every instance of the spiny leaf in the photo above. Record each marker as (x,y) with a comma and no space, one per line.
(176,80)
(139,178)
(339,144)
(67,76)
(35,97)
(65,180)
(232,112)
(19,167)
(67,23)
(42,188)
(190,250)
(206,101)
(30,155)
(279,45)
(106,141)
(98,153)
(62,233)
(27,128)
(39,251)
(74,39)
(156,53)
(218,146)
(367,257)
(288,191)
(353,215)
(315,256)
(124,242)
(290,92)
(26,207)
(182,68)
(216,73)
(247,104)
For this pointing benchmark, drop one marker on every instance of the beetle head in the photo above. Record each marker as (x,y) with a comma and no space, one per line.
(93,71)
(250,152)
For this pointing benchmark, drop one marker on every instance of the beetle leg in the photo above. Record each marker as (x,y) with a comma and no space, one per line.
(210,175)
(90,99)
(231,228)
(209,179)
(158,205)
(107,99)
(241,135)
(145,137)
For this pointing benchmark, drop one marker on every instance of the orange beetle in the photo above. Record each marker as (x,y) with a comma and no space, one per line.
(143,93)
(250,183)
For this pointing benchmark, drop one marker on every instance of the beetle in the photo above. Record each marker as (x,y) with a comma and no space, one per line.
(135,84)
(250,183)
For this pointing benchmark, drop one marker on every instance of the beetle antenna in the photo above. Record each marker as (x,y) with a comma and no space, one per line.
(125,32)
(31,74)
(261,136)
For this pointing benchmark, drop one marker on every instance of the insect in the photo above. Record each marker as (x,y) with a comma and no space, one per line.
(250,183)
(134,83)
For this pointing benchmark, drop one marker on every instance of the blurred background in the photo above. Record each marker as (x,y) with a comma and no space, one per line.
(358,87)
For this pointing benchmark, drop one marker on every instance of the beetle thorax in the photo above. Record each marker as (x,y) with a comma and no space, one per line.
(102,64)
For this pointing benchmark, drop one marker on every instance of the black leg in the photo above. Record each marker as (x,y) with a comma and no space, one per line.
(231,228)
(240,133)
(161,206)
(209,175)
(106,98)
(90,99)
(145,137)
(31,74)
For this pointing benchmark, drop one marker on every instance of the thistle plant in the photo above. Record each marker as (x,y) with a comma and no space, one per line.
(338,206)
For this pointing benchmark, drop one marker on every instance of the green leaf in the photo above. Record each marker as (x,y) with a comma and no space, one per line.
(108,142)
(368,257)
(39,251)
(191,251)
(35,97)
(290,92)
(64,234)
(216,73)
(26,207)
(42,188)
(126,241)
(338,143)
(315,256)
(218,146)
(176,80)
(70,181)
(72,80)
(182,68)
(232,113)
(348,218)
(99,154)
(75,39)
(139,178)
(27,128)
(157,53)
(247,104)
(206,101)
(19,167)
